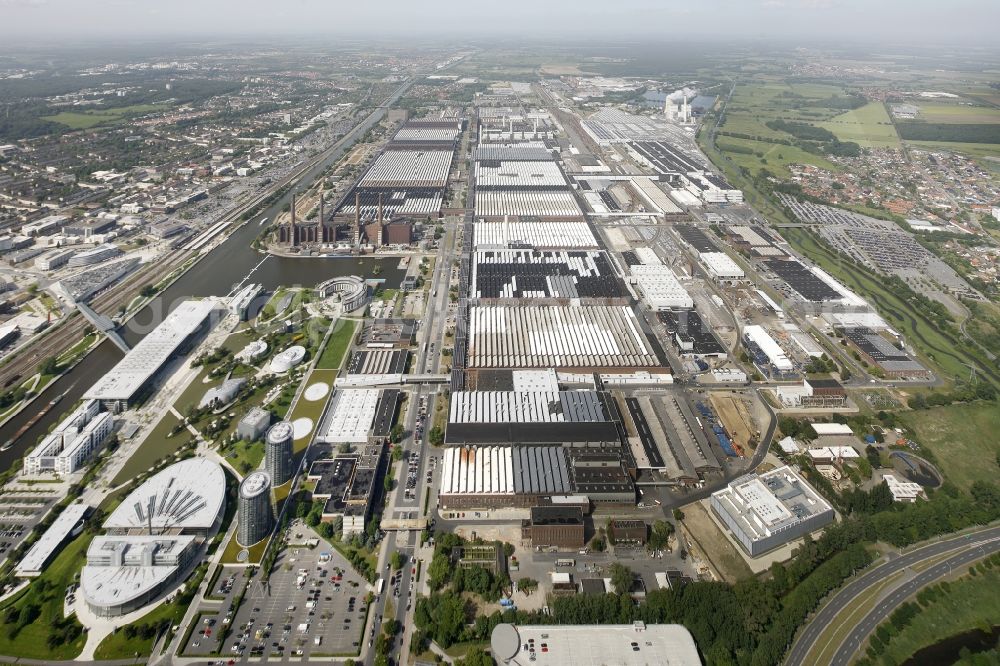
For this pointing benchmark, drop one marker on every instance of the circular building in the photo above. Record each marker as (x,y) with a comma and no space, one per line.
(352,290)
(252,351)
(256,519)
(278,455)
(286,360)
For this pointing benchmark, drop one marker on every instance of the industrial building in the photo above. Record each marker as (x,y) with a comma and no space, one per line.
(768,510)
(72,442)
(670,438)
(502,476)
(359,416)
(255,518)
(527,202)
(133,376)
(94,255)
(531,417)
(154,537)
(512,152)
(551,235)
(278,459)
(691,335)
(554,526)
(696,238)
(766,353)
(659,287)
(557,336)
(636,644)
(720,266)
(545,274)
(408,168)
(879,352)
(813,392)
(379,362)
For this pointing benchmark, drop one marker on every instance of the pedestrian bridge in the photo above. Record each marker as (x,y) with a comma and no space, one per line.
(104,325)
(366,381)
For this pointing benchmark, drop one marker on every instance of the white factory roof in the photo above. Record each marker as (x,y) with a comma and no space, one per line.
(832,429)
(42,550)
(550,234)
(426,168)
(188,495)
(427,134)
(660,287)
(556,336)
(525,407)
(147,357)
(637,644)
(647,255)
(847,297)
(535,380)
(527,202)
(110,585)
(519,174)
(477,470)
(720,265)
(351,416)
(775,354)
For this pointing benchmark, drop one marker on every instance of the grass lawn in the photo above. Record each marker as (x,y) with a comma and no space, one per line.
(868,126)
(969,603)
(159,443)
(87,119)
(245,456)
(777,156)
(950,112)
(332,356)
(47,592)
(233,549)
(962,437)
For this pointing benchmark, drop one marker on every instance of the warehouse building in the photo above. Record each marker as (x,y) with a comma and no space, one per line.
(766,353)
(359,416)
(691,335)
(671,438)
(768,510)
(379,362)
(660,288)
(94,255)
(408,168)
(556,204)
(132,378)
(557,337)
(512,152)
(530,417)
(545,274)
(551,235)
(879,352)
(67,524)
(696,238)
(720,266)
(554,527)
(636,644)
(503,476)
(72,442)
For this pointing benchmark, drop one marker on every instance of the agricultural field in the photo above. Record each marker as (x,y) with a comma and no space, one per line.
(775,157)
(962,438)
(868,126)
(950,112)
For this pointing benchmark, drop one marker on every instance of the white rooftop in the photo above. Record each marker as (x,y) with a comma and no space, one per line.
(146,561)
(832,428)
(636,644)
(351,416)
(41,551)
(147,357)
(188,495)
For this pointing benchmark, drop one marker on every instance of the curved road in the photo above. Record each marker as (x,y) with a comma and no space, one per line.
(986,540)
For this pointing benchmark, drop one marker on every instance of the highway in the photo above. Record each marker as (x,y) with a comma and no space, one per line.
(967,548)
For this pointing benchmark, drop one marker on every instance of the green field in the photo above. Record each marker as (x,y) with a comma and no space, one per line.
(245,456)
(340,341)
(951,112)
(968,603)
(158,444)
(87,119)
(962,438)
(776,157)
(989,151)
(119,646)
(869,127)
(46,594)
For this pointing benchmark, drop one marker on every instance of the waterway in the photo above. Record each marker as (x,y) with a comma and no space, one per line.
(216,274)
(947,651)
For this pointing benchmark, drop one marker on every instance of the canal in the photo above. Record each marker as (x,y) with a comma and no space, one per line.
(214,275)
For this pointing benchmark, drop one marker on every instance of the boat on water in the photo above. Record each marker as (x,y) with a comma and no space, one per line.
(35,419)
(263,222)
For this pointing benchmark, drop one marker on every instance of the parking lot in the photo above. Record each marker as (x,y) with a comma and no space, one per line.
(313,604)
(204,639)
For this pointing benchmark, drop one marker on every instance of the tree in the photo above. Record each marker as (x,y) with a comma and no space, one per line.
(396,560)
(49,366)
(436,436)
(678,515)
(659,535)
(439,572)
(621,578)
(475,657)
(527,585)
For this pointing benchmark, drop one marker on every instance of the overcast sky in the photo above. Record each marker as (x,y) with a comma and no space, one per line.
(936,21)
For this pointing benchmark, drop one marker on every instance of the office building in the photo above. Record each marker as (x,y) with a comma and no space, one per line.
(278,459)
(71,444)
(256,517)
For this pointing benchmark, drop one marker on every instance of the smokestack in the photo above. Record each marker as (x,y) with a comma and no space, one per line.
(357,213)
(292,236)
(380,208)
(322,218)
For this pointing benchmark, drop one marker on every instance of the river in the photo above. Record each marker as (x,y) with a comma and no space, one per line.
(214,275)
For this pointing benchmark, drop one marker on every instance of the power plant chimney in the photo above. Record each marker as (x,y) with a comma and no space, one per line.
(293,238)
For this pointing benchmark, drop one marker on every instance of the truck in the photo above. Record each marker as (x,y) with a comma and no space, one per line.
(379,585)
(317,640)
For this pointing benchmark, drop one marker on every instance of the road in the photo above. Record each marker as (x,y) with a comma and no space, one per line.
(968,548)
